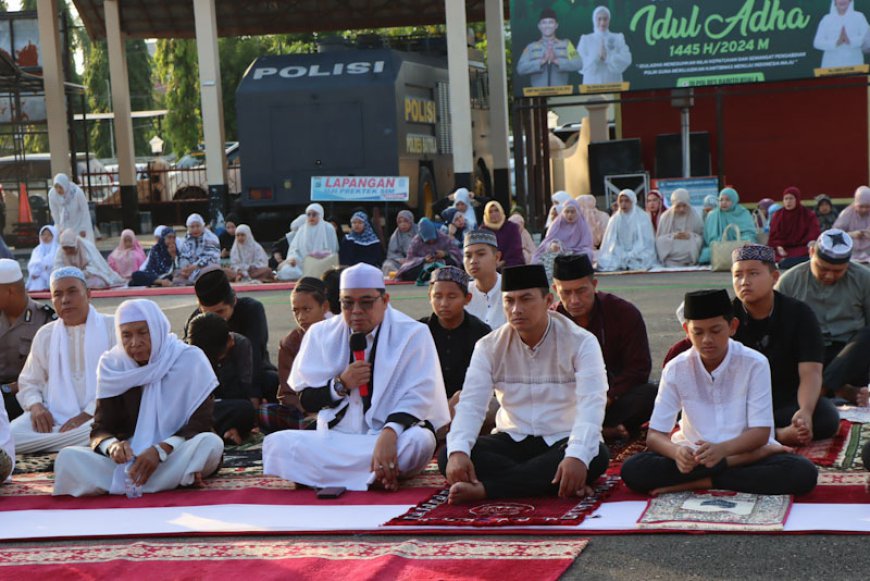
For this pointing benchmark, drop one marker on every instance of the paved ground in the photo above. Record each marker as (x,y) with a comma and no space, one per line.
(651,556)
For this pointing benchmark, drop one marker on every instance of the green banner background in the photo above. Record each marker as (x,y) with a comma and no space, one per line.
(676,43)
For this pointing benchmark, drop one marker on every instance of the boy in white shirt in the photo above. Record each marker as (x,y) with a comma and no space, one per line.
(725,438)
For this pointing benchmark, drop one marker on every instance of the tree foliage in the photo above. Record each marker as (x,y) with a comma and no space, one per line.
(178,73)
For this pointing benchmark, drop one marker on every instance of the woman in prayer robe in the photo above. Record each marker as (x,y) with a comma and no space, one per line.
(559,199)
(144,425)
(605,55)
(463,203)
(510,241)
(595,218)
(791,229)
(199,252)
(400,241)
(710,204)
(568,235)
(528,242)
(826,213)
(361,244)
(855,221)
(248,260)
(680,234)
(42,260)
(82,254)
(454,225)
(655,207)
(69,207)
(316,240)
(729,212)
(428,246)
(161,263)
(629,242)
(843,35)
(762,215)
(128,256)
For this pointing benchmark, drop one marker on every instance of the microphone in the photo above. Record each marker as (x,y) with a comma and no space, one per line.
(358,347)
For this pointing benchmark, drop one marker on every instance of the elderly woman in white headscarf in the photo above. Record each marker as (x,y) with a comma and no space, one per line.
(680,235)
(605,54)
(629,241)
(152,427)
(463,203)
(843,36)
(69,207)
(42,260)
(314,248)
(198,252)
(82,254)
(248,260)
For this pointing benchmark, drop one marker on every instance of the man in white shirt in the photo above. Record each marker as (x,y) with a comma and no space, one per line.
(57,387)
(725,438)
(378,403)
(481,257)
(548,376)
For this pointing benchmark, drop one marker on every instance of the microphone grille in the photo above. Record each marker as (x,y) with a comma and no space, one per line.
(358,342)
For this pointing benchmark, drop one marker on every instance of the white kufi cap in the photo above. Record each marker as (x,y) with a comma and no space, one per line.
(362,276)
(10,271)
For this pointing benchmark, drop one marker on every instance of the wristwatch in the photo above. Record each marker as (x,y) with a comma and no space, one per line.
(161,452)
(339,387)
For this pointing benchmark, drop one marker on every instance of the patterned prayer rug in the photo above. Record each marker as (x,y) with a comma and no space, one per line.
(550,511)
(622,450)
(292,559)
(716,510)
(849,459)
(825,452)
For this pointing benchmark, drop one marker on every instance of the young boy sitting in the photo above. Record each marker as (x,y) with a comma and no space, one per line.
(725,438)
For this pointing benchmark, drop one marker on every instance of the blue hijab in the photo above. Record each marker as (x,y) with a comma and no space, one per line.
(159,260)
(367,237)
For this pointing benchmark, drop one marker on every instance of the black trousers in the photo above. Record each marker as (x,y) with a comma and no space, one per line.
(511,469)
(826,418)
(865,455)
(633,409)
(777,474)
(266,383)
(234,413)
(847,363)
(13,408)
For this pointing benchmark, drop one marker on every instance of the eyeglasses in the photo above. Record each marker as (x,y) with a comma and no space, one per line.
(364,303)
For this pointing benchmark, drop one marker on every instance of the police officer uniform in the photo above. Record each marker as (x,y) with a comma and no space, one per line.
(15,341)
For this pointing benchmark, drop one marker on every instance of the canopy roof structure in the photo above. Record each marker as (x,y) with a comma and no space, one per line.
(171,19)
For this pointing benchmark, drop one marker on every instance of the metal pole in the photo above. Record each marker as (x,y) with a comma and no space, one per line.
(687,146)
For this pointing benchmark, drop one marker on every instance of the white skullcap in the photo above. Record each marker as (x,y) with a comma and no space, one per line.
(10,271)
(131,311)
(362,275)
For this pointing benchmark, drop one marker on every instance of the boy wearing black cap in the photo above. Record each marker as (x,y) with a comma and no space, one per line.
(548,376)
(245,316)
(725,438)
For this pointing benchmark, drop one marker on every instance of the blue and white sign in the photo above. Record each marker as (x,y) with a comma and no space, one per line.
(699,188)
(360,189)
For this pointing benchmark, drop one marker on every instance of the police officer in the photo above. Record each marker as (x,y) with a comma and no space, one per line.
(20,319)
(549,60)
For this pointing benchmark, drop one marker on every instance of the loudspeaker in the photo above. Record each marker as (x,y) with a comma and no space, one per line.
(669,154)
(611,158)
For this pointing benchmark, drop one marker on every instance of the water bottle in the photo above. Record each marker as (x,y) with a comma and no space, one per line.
(131,489)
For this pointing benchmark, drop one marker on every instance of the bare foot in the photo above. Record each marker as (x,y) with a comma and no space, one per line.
(614,433)
(759,454)
(701,484)
(197,481)
(232,435)
(463,492)
(791,435)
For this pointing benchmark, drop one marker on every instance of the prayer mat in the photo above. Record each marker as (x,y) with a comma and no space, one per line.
(292,559)
(546,511)
(622,450)
(716,510)
(34,463)
(825,452)
(849,459)
(855,414)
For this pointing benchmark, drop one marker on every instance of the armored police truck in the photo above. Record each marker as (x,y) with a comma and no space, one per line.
(351,112)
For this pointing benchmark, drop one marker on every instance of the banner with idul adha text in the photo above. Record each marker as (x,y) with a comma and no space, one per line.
(566,47)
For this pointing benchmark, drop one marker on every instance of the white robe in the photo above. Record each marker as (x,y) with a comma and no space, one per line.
(673,251)
(828,33)
(629,242)
(61,373)
(42,262)
(618,58)
(407,379)
(6,443)
(96,269)
(71,211)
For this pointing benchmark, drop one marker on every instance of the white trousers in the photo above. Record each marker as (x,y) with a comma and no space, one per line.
(321,459)
(29,441)
(80,471)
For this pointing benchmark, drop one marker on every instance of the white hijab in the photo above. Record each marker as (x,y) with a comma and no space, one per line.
(247,255)
(44,254)
(595,14)
(672,223)
(464,196)
(175,381)
(559,199)
(629,234)
(61,397)
(318,238)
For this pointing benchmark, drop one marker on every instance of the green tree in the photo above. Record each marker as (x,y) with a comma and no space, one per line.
(236,53)
(178,73)
(3,6)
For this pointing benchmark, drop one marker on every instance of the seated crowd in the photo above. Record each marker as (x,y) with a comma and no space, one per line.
(514,382)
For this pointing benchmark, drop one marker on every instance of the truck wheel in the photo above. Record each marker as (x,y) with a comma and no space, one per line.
(427,193)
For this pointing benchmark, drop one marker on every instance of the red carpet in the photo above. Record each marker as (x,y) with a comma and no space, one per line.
(513,512)
(288,559)
(825,452)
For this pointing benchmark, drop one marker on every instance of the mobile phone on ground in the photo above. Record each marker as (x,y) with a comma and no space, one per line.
(331,492)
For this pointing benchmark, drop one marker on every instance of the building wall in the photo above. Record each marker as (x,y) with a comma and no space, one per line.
(810,134)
